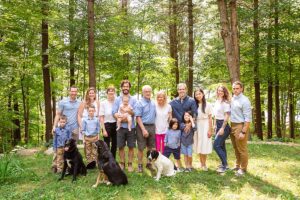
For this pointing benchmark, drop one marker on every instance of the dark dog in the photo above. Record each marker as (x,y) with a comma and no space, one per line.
(72,160)
(108,167)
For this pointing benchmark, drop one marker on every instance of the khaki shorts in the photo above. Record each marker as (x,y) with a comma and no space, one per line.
(146,142)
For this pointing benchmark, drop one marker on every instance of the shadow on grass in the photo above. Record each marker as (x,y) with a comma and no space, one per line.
(216,184)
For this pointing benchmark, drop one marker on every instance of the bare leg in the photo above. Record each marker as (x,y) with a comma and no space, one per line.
(130,154)
(129,120)
(119,119)
(178,163)
(186,161)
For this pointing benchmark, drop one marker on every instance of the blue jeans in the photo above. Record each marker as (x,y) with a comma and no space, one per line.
(219,144)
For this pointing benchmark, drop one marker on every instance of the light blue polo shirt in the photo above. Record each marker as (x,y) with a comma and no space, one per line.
(145,108)
(69,109)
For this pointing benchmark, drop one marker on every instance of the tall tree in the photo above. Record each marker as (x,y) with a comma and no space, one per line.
(229,33)
(258,123)
(276,62)
(46,70)
(291,98)
(191,47)
(91,44)
(72,5)
(124,11)
(270,74)
(173,40)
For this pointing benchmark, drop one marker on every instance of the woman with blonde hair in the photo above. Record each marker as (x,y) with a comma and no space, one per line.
(222,129)
(163,116)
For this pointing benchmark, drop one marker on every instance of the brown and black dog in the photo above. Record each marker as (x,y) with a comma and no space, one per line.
(72,160)
(108,167)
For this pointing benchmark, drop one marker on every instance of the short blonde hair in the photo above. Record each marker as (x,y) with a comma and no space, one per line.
(162,93)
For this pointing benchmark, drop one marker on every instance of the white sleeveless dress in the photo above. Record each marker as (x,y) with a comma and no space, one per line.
(202,144)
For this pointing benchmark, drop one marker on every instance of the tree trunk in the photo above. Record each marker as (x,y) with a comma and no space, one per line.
(230,38)
(16,121)
(270,79)
(124,7)
(71,38)
(53,99)
(91,41)
(46,70)
(174,42)
(276,59)
(258,122)
(291,99)
(191,47)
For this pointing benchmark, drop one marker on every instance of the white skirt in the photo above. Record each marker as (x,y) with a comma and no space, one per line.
(202,144)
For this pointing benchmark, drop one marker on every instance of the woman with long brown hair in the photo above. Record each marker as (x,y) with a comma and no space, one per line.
(222,129)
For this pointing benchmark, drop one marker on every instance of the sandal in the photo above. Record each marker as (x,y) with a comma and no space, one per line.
(130,168)
(122,165)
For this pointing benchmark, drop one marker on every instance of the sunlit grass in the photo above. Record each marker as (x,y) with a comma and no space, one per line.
(274,173)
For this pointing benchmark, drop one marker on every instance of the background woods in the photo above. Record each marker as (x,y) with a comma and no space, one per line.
(48,45)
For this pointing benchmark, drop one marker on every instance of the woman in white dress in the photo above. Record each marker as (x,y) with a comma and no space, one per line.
(202,137)
(90,99)
(163,116)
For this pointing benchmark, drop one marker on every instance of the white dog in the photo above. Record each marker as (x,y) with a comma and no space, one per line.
(163,164)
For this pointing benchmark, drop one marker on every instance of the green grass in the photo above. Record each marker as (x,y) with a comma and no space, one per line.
(274,173)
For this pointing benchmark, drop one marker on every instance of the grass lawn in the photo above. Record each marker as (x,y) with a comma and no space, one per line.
(274,173)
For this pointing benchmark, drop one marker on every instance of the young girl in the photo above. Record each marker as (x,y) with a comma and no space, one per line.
(172,141)
(187,127)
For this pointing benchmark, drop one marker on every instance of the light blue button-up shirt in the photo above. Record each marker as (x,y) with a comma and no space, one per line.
(118,102)
(90,126)
(145,108)
(70,109)
(240,109)
(61,135)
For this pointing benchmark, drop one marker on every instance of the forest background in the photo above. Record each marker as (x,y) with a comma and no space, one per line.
(48,45)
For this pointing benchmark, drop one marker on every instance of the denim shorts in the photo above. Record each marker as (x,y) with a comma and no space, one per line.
(187,150)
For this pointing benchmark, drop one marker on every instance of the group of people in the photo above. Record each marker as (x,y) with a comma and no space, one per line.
(182,126)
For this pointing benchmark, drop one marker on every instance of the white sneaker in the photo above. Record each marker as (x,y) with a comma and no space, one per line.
(240,172)
(204,168)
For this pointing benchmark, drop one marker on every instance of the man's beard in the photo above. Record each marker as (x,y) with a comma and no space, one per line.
(125,91)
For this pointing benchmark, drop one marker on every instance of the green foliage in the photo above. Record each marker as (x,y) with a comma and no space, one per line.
(11,169)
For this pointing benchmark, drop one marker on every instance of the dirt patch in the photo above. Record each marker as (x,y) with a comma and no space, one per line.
(27,152)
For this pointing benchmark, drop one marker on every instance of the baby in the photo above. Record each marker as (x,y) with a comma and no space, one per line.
(123,111)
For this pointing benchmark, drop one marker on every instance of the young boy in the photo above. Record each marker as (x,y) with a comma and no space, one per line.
(123,110)
(61,134)
(90,130)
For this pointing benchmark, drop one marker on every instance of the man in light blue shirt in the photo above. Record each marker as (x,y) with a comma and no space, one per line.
(69,108)
(241,117)
(145,113)
(124,135)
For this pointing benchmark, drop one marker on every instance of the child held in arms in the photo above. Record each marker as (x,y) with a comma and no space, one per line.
(123,110)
